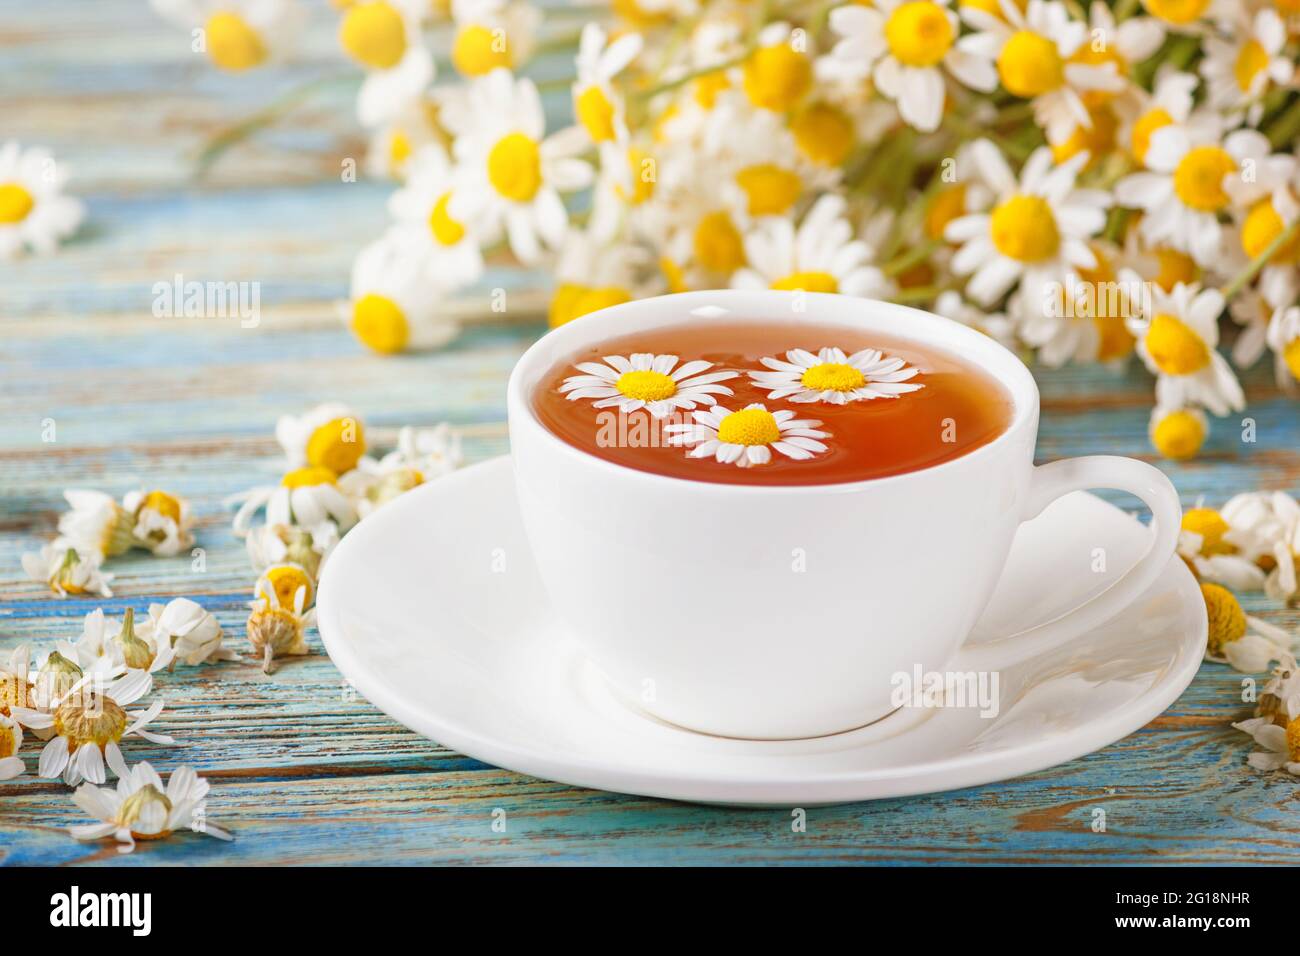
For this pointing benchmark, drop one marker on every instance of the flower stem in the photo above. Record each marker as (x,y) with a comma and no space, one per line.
(1246,275)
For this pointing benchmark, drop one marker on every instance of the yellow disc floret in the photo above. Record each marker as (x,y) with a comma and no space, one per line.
(285,580)
(232,43)
(1227,619)
(1030,65)
(1252,59)
(1198,178)
(15,691)
(1209,524)
(596,114)
(380,324)
(717,243)
(163,503)
(479,50)
(948,204)
(89,719)
(374,34)
(749,426)
(1144,127)
(1173,267)
(1179,435)
(646,385)
(514,167)
(337,445)
(446,230)
(833,377)
(1180,12)
(1024,228)
(15,203)
(1291,356)
(309,476)
(769,189)
(1174,347)
(823,133)
(807,282)
(1259,230)
(777,77)
(919,33)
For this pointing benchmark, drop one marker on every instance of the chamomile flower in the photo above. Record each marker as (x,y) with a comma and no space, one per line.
(510,176)
(1034,52)
(996,325)
(1083,320)
(1283,337)
(92,646)
(656,383)
(11,740)
(834,377)
(595,272)
(1036,235)
(88,724)
(1178,432)
(1123,44)
(384,36)
(306,497)
(597,105)
(429,220)
(1186,16)
(819,255)
(1178,337)
(748,437)
(238,34)
(15,687)
(34,213)
(1169,104)
(139,651)
(1281,744)
(328,436)
(778,75)
(276,630)
(162,521)
(280,543)
(394,303)
(422,454)
(68,569)
(1241,68)
(394,144)
(97,523)
(193,633)
(1182,191)
(1218,552)
(1283,582)
(1265,215)
(1236,638)
(492,34)
(142,808)
(903,43)
(288,584)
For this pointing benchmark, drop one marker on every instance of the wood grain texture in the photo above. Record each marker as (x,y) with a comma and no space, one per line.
(303,771)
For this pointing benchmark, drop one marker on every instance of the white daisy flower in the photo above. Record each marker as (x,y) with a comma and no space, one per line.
(385,37)
(1036,235)
(834,377)
(820,255)
(276,629)
(34,213)
(306,497)
(94,643)
(288,585)
(193,633)
(1240,68)
(11,739)
(509,175)
(394,303)
(138,651)
(492,34)
(280,543)
(1085,319)
(597,105)
(747,437)
(428,216)
(141,808)
(1283,582)
(1182,192)
(97,523)
(996,325)
(1219,552)
(1123,44)
(1169,104)
(595,271)
(329,436)
(1270,206)
(238,34)
(1283,337)
(68,569)
(162,521)
(1282,744)
(1247,643)
(645,380)
(1189,16)
(393,145)
(422,454)
(88,724)
(1178,337)
(903,43)
(1034,54)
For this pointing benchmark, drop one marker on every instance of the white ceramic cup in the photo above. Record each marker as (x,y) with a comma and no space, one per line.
(687,595)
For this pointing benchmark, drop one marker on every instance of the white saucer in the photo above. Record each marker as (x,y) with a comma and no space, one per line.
(432,608)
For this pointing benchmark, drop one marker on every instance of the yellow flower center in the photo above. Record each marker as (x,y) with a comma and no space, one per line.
(445,229)
(573,300)
(515,167)
(1293,739)
(991,7)
(147,798)
(337,445)
(87,719)
(833,377)
(14,692)
(479,50)
(1174,347)
(919,33)
(673,274)
(1098,140)
(1030,65)
(232,43)
(1023,228)
(596,114)
(1175,267)
(1177,11)
(309,476)
(948,204)
(1251,61)
(1261,227)
(399,149)
(706,89)
(717,243)
(1227,619)
(1198,178)
(636,16)
(15,203)
(1209,524)
(380,324)
(374,34)
(285,580)
(749,426)
(1179,435)
(823,133)
(770,190)
(647,386)
(8,741)
(1291,356)
(1144,127)
(164,504)
(808,282)
(777,77)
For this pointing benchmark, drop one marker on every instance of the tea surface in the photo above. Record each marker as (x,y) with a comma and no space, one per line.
(958,408)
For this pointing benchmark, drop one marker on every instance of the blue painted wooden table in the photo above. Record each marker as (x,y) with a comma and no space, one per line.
(302,771)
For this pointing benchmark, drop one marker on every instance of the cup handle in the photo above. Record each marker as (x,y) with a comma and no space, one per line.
(1058,478)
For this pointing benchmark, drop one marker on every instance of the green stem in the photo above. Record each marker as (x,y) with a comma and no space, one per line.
(1252,270)
(919,294)
(1284,130)
(685,78)
(918,253)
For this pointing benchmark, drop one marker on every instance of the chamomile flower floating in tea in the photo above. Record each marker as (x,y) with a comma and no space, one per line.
(88,724)
(1035,235)
(598,106)
(747,437)
(1178,335)
(193,633)
(645,380)
(142,808)
(276,629)
(1236,638)
(34,213)
(1281,744)
(831,376)
(902,44)
(329,436)
(67,570)
(306,497)
(11,740)
(384,36)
